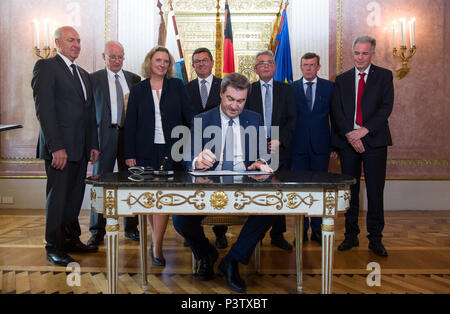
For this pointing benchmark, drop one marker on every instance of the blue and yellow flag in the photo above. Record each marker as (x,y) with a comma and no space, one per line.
(283,61)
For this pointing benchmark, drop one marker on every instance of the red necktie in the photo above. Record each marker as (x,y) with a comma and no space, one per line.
(361,85)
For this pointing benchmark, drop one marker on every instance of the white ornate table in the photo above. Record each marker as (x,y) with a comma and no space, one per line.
(285,193)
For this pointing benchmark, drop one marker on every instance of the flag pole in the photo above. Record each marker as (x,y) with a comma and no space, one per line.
(180,51)
(219,44)
(275,29)
(162,26)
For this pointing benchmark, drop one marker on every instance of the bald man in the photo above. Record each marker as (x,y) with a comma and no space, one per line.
(67,141)
(110,85)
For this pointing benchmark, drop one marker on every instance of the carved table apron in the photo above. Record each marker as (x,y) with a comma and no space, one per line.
(313,194)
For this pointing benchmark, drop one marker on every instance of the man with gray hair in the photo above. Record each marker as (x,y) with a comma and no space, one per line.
(110,86)
(274,101)
(67,141)
(362,103)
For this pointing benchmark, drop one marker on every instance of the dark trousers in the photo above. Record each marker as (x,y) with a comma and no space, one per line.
(253,231)
(105,163)
(311,161)
(374,162)
(65,192)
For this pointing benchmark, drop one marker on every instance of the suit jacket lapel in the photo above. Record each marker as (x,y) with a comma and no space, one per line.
(70,76)
(215,89)
(276,99)
(105,88)
(258,99)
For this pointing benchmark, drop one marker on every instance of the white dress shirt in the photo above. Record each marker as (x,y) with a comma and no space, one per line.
(208,83)
(238,158)
(159,133)
(113,93)
(313,87)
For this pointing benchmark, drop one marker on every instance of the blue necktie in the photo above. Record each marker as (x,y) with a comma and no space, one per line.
(268,109)
(228,152)
(309,98)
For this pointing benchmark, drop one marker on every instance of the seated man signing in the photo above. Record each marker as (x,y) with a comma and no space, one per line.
(232,119)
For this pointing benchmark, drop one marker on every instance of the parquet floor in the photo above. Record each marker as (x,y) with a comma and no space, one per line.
(418,243)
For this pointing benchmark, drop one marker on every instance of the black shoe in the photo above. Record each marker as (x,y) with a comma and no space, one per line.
(94,240)
(230,269)
(157,261)
(206,268)
(378,248)
(221,242)
(348,243)
(316,236)
(59,258)
(133,235)
(281,243)
(76,246)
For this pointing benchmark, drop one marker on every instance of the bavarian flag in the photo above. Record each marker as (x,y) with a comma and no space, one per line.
(283,62)
(228,52)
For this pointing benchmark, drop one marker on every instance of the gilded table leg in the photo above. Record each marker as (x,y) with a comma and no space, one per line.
(143,249)
(299,251)
(327,254)
(112,258)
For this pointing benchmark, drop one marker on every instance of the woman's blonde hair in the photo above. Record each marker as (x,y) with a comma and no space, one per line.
(146,65)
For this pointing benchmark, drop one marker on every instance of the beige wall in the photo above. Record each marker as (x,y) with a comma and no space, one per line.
(418,123)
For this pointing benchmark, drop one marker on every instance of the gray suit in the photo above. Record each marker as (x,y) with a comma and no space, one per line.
(67,121)
(110,140)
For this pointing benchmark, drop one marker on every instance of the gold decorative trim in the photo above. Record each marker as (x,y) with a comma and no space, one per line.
(261,199)
(148,200)
(110,202)
(419,162)
(107,20)
(330,204)
(172,199)
(112,228)
(329,228)
(346,195)
(14,160)
(294,200)
(339,26)
(219,200)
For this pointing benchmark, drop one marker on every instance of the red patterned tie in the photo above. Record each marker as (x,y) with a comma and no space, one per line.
(361,85)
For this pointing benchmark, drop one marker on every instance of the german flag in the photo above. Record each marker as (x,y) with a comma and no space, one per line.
(228,52)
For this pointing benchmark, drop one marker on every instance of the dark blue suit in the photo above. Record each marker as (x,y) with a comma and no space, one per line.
(256,226)
(176,110)
(311,142)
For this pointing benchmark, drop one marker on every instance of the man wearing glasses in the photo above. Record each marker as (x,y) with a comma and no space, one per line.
(110,85)
(204,94)
(274,101)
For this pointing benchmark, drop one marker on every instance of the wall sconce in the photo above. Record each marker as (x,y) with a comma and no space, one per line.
(48,38)
(401,73)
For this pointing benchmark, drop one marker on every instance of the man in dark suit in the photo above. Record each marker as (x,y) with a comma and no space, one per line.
(362,102)
(110,85)
(204,93)
(67,140)
(311,142)
(274,101)
(231,154)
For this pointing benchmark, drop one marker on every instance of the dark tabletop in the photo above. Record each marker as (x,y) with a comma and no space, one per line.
(279,180)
